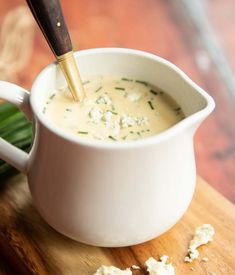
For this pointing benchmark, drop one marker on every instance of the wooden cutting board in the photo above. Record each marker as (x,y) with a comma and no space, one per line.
(33,247)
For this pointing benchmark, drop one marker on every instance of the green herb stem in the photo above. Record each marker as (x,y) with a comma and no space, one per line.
(114,113)
(97,90)
(151,105)
(126,79)
(83,132)
(119,88)
(142,82)
(112,138)
(52,96)
(153,92)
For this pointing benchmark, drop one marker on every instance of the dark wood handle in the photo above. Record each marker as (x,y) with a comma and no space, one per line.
(49,17)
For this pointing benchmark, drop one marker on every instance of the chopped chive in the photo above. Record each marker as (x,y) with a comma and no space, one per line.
(119,88)
(147,130)
(52,96)
(86,82)
(124,138)
(47,102)
(142,82)
(151,105)
(126,79)
(44,110)
(138,133)
(97,90)
(153,92)
(142,131)
(114,113)
(177,109)
(68,110)
(111,137)
(82,132)
(131,132)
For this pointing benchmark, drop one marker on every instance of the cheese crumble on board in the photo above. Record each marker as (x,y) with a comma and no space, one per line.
(112,270)
(153,266)
(203,234)
(161,267)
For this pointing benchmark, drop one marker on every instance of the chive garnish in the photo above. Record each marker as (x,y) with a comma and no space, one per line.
(119,88)
(44,110)
(142,82)
(47,102)
(97,90)
(177,109)
(52,96)
(151,105)
(124,138)
(86,82)
(147,130)
(68,110)
(111,137)
(82,132)
(138,133)
(126,79)
(114,113)
(131,132)
(153,92)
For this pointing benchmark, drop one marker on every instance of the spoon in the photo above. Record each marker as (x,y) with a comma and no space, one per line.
(49,17)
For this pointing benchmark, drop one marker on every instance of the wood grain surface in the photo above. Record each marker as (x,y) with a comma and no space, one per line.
(35,248)
(168,29)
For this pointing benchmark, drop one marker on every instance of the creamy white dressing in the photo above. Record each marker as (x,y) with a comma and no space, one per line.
(115,109)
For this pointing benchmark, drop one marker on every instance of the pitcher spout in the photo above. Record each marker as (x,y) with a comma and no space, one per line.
(195,103)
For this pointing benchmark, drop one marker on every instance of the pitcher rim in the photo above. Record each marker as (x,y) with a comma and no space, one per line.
(143,142)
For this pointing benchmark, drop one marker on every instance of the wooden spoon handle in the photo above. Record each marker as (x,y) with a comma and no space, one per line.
(49,17)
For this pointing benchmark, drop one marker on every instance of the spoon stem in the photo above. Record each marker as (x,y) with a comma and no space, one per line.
(69,68)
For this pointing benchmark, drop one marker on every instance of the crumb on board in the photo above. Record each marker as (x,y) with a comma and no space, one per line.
(205,259)
(112,270)
(159,267)
(136,267)
(203,234)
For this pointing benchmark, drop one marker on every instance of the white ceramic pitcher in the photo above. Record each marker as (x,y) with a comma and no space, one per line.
(105,193)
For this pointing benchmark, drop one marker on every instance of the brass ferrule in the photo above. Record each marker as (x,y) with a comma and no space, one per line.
(69,68)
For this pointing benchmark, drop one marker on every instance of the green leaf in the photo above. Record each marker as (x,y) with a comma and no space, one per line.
(15,129)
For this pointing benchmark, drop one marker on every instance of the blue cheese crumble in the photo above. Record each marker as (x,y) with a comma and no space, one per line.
(112,270)
(161,267)
(203,235)
(104,99)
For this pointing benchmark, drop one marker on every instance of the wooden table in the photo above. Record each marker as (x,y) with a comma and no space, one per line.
(196,35)
(30,246)
(198,40)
